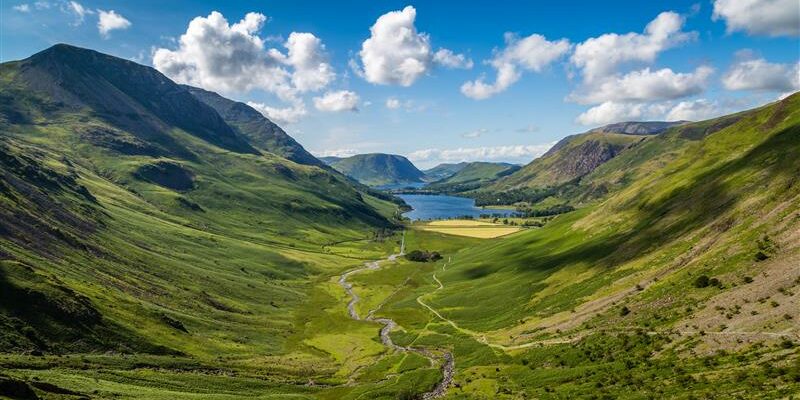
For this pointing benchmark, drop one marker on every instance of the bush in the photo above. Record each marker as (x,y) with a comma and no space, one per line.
(423,256)
(701,281)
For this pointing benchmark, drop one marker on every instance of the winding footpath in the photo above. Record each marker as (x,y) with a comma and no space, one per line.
(447,361)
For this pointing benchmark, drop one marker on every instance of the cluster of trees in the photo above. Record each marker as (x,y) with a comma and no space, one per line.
(546,212)
(423,256)
(530,196)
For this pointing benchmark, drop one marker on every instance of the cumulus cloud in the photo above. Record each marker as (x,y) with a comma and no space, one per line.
(599,57)
(513,153)
(233,58)
(689,110)
(695,110)
(396,54)
(760,17)
(343,100)
(645,85)
(281,115)
(24,8)
(531,53)
(448,59)
(109,21)
(759,74)
(307,56)
(223,57)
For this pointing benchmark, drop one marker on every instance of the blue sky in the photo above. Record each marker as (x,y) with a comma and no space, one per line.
(425,83)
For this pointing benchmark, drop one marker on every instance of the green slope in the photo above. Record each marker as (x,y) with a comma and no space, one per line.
(263,133)
(378,169)
(722,203)
(474,174)
(443,171)
(134,219)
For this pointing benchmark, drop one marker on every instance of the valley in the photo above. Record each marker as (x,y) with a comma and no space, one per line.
(161,241)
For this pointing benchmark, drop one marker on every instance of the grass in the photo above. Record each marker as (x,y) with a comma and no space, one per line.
(469,228)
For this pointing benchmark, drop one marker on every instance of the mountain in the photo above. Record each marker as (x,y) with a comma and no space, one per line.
(572,158)
(473,175)
(134,218)
(379,169)
(443,171)
(260,131)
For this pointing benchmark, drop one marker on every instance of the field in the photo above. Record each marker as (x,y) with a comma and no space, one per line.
(469,228)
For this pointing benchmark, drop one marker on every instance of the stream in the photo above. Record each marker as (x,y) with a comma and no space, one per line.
(447,361)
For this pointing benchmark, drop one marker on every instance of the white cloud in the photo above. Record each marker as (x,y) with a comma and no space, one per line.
(759,74)
(24,8)
(610,112)
(532,53)
(690,110)
(42,5)
(513,153)
(335,153)
(448,59)
(307,56)
(233,58)
(476,133)
(285,115)
(599,57)
(696,110)
(109,21)
(645,85)
(396,54)
(760,17)
(343,100)
(392,103)
(73,7)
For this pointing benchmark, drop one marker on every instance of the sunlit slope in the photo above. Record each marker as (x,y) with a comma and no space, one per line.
(697,201)
(134,219)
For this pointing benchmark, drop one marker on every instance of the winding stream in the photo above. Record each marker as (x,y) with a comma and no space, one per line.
(447,361)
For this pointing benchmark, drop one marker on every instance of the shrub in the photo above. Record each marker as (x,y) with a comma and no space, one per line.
(701,281)
(423,256)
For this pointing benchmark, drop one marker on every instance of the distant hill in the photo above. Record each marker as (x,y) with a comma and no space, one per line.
(379,169)
(577,155)
(472,175)
(443,171)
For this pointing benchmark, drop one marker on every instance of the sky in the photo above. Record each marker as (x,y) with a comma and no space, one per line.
(442,81)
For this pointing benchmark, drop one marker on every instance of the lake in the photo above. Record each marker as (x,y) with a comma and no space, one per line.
(443,207)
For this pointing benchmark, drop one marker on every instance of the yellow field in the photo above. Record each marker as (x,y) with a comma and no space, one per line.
(476,229)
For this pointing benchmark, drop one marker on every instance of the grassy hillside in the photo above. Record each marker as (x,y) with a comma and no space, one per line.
(378,169)
(141,232)
(443,171)
(473,175)
(683,282)
(261,132)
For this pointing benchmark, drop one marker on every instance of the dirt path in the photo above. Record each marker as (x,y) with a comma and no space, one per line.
(447,361)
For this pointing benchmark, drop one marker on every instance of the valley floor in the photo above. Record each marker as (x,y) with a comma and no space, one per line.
(394,341)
